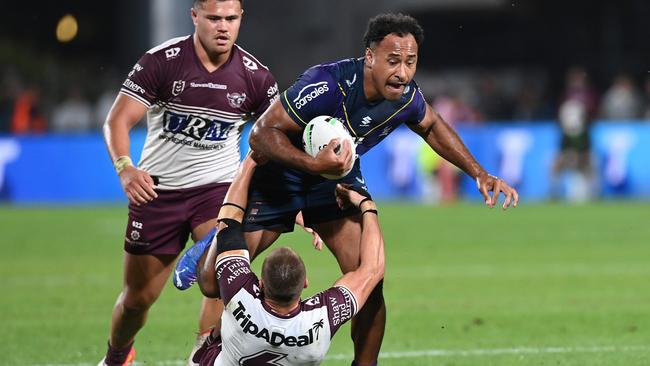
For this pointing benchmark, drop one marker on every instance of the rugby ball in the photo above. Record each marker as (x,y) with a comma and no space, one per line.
(319,132)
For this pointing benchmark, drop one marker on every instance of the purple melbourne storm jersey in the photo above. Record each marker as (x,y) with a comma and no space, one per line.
(336,90)
(195,117)
(253,334)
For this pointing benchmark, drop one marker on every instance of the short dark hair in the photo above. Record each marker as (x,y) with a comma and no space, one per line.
(384,24)
(196,3)
(283,273)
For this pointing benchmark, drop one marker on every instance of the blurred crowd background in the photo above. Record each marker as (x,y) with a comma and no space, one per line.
(483,62)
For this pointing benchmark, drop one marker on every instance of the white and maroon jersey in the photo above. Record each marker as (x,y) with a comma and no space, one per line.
(195,118)
(253,334)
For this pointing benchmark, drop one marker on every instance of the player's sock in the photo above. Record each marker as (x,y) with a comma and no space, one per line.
(354,363)
(185,273)
(208,340)
(200,339)
(118,356)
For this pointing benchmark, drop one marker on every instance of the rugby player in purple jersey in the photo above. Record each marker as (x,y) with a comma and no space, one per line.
(197,92)
(372,95)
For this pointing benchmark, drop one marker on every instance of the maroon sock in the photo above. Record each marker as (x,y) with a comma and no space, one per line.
(117,356)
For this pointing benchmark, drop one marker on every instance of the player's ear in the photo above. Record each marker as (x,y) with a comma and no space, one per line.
(370,56)
(194,16)
(306,283)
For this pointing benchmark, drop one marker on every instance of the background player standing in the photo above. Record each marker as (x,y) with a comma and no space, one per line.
(197,92)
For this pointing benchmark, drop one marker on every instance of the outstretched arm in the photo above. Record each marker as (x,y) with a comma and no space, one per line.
(232,209)
(363,280)
(271,138)
(446,142)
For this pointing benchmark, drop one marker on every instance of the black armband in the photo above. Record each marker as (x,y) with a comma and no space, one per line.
(234,205)
(230,237)
(371,211)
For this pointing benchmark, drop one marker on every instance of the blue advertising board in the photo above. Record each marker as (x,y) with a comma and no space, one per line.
(72,169)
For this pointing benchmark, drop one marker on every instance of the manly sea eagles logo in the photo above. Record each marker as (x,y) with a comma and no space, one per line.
(178,87)
(236,99)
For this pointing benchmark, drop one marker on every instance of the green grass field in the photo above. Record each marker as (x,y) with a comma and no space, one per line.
(465,285)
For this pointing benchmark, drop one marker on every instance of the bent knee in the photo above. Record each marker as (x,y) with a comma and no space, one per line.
(379,289)
(376,297)
(209,287)
(377,294)
(136,302)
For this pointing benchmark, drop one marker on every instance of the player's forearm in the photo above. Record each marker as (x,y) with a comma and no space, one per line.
(446,142)
(123,116)
(275,145)
(237,197)
(371,255)
(116,137)
(364,279)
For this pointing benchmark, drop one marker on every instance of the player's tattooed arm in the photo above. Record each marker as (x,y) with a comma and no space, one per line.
(445,141)
(271,135)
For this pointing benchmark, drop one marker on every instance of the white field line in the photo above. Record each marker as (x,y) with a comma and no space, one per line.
(442,353)
(499,351)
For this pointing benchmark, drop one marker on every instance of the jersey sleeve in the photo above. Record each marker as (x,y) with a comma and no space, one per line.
(341,306)
(268,93)
(419,107)
(142,82)
(315,93)
(234,274)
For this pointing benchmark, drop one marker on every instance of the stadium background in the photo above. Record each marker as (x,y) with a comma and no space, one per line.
(560,280)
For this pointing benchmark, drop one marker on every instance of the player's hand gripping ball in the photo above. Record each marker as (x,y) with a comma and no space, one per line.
(319,132)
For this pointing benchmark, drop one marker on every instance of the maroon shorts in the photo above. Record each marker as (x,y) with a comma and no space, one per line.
(207,354)
(163,225)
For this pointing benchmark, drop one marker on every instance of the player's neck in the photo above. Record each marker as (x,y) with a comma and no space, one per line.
(210,61)
(281,308)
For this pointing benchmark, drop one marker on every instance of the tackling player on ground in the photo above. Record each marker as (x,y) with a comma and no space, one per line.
(264,321)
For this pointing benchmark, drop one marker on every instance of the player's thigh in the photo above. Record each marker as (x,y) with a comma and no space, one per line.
(145,277)
(320,200)
(260,240)
(159,227)
(204,204)
(275,196)
(203,229)
(343,238)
